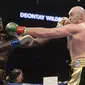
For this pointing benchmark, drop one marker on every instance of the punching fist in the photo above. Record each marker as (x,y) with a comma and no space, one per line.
(63,21)
(26,40)
(23,41)
(14,28)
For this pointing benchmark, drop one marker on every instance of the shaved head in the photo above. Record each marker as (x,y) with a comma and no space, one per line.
(78,9)
(77,14)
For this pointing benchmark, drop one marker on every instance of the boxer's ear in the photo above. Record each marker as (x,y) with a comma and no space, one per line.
(81,17)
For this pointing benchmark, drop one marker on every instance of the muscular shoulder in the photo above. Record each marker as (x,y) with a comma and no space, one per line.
(74,28)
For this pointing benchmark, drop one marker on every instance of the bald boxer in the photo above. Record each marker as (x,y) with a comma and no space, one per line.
(75,31)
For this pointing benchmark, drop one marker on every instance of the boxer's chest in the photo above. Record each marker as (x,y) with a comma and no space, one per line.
(3,55)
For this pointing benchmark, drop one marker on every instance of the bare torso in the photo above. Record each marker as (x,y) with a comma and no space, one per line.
(76,44)
(3,58)
(4,53)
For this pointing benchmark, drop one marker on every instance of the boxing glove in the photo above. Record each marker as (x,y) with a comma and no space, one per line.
(14,28)
(27,39)
(61,22)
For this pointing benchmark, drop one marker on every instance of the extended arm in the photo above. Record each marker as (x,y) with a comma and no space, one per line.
(53,32)
(20,41)
(35,41)
(44,32)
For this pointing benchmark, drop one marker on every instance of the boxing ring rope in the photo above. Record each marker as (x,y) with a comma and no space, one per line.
(60,83)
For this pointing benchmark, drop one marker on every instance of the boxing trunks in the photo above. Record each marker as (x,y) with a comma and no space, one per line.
(78,76)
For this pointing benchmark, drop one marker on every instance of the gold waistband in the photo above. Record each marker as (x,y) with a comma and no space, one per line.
(78,63)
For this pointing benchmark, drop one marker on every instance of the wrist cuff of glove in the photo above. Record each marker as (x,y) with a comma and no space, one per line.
(15,43)
(20,29)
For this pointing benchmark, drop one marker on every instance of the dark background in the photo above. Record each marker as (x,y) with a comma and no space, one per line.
(51,59)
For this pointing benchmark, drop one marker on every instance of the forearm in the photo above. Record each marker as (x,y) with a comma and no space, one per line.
(9,45)
(38,32)
(40,41)
(47,33)
(26,40)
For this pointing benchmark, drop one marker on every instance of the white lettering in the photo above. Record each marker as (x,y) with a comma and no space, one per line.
(39,17)
(21,14)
